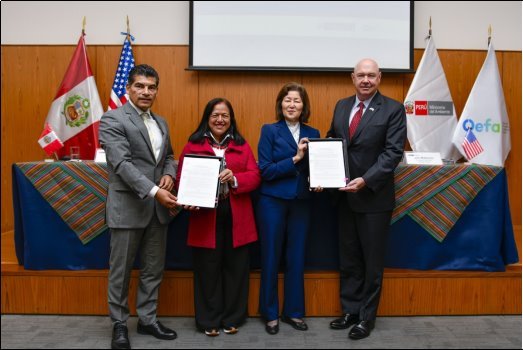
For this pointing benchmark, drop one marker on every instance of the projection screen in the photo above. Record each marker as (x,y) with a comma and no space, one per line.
(307,35)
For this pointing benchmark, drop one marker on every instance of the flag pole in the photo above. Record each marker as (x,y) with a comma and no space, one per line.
(489,34)
(83,26)
(430,29)
(128,30)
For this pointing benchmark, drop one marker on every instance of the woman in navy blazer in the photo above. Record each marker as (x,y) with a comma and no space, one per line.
(283,210)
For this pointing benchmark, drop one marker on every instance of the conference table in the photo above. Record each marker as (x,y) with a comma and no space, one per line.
(450,217)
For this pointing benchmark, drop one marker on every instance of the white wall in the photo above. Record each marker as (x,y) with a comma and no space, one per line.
(455,24)
(57,22)
(464,24)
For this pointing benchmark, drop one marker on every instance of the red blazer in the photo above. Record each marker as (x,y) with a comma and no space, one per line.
(202,223)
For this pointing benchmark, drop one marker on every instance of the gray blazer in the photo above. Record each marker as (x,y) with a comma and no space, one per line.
(133,170)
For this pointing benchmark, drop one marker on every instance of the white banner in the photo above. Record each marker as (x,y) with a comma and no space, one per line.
(431,116)
(484,122)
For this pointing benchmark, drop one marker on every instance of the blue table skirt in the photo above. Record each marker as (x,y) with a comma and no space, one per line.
(482,239)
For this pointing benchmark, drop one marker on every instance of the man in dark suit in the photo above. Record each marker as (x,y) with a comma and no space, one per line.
(141,168)
(374,127)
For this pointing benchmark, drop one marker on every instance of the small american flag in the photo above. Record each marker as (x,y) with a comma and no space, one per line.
(471,145)
(118,93)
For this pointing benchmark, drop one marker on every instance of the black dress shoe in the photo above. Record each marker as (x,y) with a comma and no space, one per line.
(157,330)
(345,321)
(120,337)
(272,330)
(300,326)
(361,330)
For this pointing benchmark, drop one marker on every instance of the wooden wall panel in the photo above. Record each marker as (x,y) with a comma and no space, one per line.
(106,65)
(461,69)
(511,78)
(31,76)
(325,89)
(252,95)
(177,99)
(405,292)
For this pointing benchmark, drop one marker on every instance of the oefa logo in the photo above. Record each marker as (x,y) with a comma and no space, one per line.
(487,126)
(76,111)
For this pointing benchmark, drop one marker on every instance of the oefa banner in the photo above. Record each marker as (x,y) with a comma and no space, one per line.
(75,113)
(484,121)
(431,117)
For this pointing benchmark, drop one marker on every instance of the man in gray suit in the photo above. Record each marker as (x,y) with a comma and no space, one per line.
(141,173)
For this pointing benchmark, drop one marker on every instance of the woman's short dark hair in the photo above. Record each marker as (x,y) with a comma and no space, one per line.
(203,128)
(306,111)
(143,70)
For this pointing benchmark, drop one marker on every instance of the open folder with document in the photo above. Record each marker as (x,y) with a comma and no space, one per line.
(199,183)
(328,166)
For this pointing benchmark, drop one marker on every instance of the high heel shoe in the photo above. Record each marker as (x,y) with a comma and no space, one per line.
(272,330)
(300,326)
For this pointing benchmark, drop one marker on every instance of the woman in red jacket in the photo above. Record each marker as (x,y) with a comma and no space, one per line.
(219,237)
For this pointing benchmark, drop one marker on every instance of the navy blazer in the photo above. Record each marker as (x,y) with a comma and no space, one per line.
(374,151)
(281,178)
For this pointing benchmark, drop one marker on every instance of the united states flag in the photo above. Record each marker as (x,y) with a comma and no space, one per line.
(118,93)
(471,145)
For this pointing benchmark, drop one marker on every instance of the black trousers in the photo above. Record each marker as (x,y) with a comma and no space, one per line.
(221,277)
(363,246)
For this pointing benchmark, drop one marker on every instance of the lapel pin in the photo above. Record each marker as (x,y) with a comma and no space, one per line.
(371,109)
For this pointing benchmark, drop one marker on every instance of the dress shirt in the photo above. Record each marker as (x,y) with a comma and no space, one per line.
(295,130)
(356,106)
(155,136)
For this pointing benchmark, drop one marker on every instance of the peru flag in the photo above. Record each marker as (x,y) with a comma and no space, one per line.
(76,110)
(49,141)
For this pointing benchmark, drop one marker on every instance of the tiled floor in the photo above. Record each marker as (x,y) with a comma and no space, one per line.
(52,332)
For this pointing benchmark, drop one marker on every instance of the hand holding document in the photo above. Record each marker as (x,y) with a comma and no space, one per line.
(354,185)
(302,148)
(199,183)
(327,163)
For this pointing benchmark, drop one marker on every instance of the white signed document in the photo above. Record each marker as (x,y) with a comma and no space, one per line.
(327,163)
(199,181)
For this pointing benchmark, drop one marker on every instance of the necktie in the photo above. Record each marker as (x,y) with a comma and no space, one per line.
(356,120)
(147,120)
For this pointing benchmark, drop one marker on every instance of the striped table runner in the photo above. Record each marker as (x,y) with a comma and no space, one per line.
(433,196)
(436,196)
(76,191)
